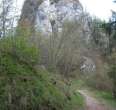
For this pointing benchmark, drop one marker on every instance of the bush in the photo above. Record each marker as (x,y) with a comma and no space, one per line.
(112,72)
(112,75)
(22,86)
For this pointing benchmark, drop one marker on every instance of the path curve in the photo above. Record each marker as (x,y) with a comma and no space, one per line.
(91,102)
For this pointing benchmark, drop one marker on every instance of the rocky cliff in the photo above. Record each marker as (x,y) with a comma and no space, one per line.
(51,14)
(48,16)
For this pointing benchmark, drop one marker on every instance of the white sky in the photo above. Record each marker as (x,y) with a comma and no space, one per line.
(99,8)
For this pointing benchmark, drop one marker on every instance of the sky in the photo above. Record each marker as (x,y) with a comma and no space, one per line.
(99,8)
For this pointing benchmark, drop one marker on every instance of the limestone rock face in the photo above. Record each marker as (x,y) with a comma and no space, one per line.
(48,16)
(88,65)
(56,12)
(28,14)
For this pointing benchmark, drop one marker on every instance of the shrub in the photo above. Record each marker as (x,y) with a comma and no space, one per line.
(22,86)
(112,72)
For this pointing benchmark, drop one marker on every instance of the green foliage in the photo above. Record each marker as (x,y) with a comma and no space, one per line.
(100,35)
(16,55)
(23,86)
(112,75)
(112,72)
(99,81)
(106,96)
(76,102)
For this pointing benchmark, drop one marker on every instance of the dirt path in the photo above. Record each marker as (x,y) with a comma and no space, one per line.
(92,103)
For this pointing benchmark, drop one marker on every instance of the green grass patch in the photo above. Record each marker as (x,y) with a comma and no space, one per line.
(77,84)
(107,97)
(76,102)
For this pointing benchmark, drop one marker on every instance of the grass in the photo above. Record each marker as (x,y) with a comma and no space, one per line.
(103,96)
(77,84)
(76,102)
(106,96)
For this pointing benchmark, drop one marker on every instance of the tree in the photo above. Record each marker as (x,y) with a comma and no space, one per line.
(4,18)
(112,72)
(63,50)
(111,27)
(99,35)
(8,16)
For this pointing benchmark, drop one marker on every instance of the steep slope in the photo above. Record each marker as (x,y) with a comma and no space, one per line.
(23,86)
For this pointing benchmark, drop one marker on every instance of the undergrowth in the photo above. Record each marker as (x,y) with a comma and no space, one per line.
(23,86)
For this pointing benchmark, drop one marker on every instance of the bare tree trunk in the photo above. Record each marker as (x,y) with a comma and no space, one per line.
(3,18)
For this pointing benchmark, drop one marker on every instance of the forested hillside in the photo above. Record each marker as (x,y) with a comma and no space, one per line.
(55,56)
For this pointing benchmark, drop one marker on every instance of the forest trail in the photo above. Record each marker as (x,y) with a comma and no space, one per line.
(92,103)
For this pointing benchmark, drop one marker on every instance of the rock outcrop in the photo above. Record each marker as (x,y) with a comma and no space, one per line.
(28,15)
(48,16)
(52,14)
